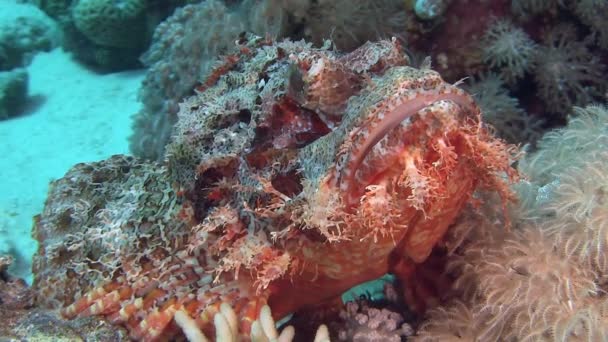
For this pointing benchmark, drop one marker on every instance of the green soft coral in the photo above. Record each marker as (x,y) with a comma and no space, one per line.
(111,23)
(592,14)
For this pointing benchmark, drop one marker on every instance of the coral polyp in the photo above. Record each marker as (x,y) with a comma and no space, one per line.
(566,72)
(509,49)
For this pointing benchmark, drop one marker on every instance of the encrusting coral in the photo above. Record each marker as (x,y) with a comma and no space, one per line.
(284,197)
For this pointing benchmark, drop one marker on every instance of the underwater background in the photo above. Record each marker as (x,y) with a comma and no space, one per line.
(174,169)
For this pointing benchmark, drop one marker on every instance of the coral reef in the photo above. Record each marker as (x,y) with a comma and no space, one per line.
(549,53)
(278,202)
(186,45)
(14,294)
(508,49)
(591,14)
(431,9)
(184,49)
(348,24)
(569,171)
(566,72)
(351,23)
(263,329)
(108,35)
(545,279)
(453,40)
(528,8)
(24,31)
(371,324)
(502,111)
(292,171)
(111,23)
(43,325)
(368,320)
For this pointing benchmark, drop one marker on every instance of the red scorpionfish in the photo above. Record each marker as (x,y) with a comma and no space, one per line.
(300,172)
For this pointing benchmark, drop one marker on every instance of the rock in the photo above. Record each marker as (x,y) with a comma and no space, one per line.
(13,92)
(24,30)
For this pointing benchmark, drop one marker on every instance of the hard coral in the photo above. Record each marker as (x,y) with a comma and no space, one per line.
(292,222)
(113,23)
(24,31)
(109,35)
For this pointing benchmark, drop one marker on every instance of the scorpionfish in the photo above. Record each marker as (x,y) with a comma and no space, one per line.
(293,174)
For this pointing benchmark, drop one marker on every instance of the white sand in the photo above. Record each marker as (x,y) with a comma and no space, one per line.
(75,116)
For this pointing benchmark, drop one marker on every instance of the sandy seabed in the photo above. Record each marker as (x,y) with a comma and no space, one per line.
(74,115)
